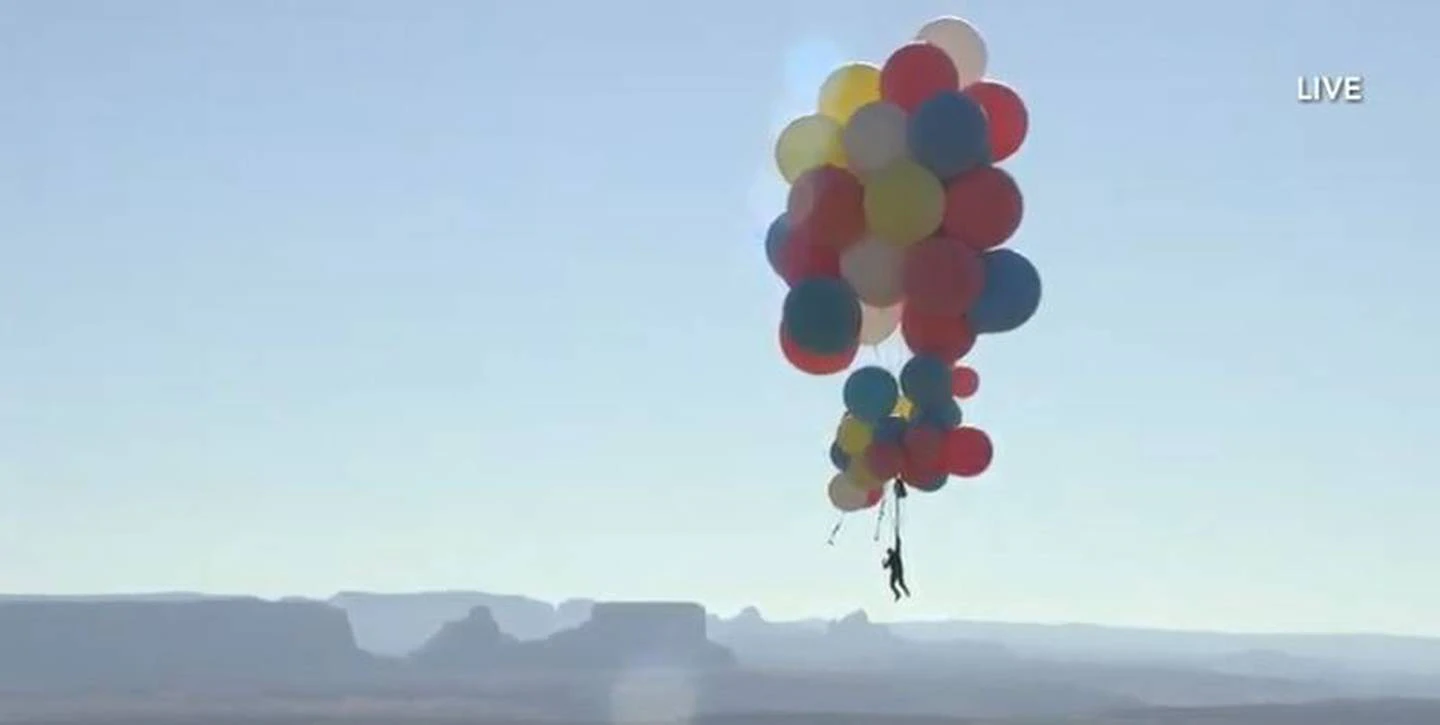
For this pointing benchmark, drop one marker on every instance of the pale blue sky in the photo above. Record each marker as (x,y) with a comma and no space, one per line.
(297,297)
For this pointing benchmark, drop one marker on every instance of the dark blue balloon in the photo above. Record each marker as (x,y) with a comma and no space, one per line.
(1010,296)
(775,238)
(822,316)
(840,459)
(870,393)
(944,415)
(890,429)
(932,485)
(949,135)
(925,380)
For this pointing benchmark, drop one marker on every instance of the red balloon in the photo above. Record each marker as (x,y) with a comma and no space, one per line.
(983,208)
(942,276)
(930,485)
(915,73)
(873,497)
(968,451)
(924,452)
(827,203)
(920,474)
(809,362)
(801,257)
(1005,110)
(884,460)
(947,337)
(964,382)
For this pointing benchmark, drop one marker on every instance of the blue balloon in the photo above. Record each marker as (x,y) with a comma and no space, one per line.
(890,429)
(933,485)
(925,380)
(949,135)
(822,316)
(870,393)
(775,238)
(840,459)
(1010,296)
(944,415)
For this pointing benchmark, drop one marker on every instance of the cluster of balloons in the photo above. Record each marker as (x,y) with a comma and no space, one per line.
(895,221)
(910,429)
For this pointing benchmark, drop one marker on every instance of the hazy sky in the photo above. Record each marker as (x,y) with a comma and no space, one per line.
(297,297)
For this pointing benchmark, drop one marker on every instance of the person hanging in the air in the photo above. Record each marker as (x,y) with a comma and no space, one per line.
(893,562)
(896,565)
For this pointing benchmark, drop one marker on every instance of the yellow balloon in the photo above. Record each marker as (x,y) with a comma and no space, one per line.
(904,408)
(854,435)
(808,142)
(860,475)
(904,203)
(847,89)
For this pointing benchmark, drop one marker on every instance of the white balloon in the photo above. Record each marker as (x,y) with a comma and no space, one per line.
(874,268)
(875,137)
(847,496)
(962,42)
(877,324)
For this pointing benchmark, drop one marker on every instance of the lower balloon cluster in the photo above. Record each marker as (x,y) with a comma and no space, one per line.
(910,429)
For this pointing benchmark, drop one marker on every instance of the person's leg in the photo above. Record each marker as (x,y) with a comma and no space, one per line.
(905,587)
(895,587)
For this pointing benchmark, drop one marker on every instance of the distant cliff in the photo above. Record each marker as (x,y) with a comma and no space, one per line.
(850,643)
(152,643)
(618,635)
(473,643)
(396,624)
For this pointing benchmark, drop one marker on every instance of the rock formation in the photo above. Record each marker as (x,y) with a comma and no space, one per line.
(143,644)
(469,644)
(618,635)
(396,624)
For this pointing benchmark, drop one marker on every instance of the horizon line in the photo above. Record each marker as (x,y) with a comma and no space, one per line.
(1057,624)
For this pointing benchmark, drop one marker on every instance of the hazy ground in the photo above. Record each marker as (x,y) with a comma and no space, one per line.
(392,710)
(250,661)
(371,713)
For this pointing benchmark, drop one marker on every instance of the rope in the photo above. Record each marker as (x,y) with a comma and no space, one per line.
(900,494)
(880,518)
(897,511)
(839,521)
